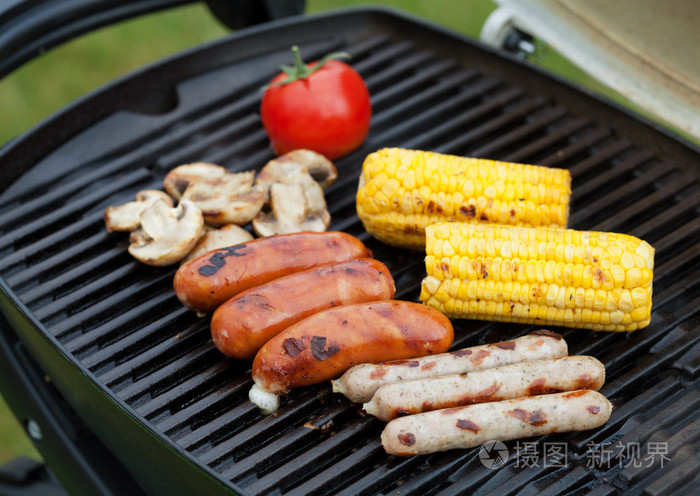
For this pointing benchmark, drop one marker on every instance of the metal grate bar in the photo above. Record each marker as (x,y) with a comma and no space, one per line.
(677,480)
(591,181)
(313,459)
(129,290)
(637,212)
(170,373)
(608,198)
(604,156)
(560,482)
(194,151)
(337,479)
(53,217)
(382,56)
(40,250)
(118,327)
(52,269)
(176,407)
(580,147)
(188,336)
(546,138)
(684,211)
(511,116)
(431,101)
(425,84)
(286,446)
(472,115)
(234,440)
(109,355)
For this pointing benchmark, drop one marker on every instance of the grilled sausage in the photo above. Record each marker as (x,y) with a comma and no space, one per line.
(360,382)
(516,380)
(206,282)
(327,343)
(240,326)
(473,425)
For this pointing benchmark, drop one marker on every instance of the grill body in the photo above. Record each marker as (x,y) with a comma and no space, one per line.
(141,372)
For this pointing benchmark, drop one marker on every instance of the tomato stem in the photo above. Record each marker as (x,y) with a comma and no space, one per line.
(300,67)
(300,70)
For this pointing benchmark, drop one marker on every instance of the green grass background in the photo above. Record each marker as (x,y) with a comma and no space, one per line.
(63,74)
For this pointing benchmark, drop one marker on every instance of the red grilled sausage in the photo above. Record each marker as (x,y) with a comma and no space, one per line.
(324,345)
(240,326)
(206,282)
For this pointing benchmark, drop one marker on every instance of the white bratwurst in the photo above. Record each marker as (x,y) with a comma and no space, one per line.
(360,382)
(473,425)
(553,375)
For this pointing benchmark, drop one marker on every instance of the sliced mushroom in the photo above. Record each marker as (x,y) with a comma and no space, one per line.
(223,197)
(290,212)
(177,180)
(213,239)
(127,217)
(166,234)
(296,167)
(294,196)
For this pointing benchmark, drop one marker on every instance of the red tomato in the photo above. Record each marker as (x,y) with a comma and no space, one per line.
(324,109)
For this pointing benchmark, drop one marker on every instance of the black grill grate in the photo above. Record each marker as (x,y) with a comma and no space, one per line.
(121,322)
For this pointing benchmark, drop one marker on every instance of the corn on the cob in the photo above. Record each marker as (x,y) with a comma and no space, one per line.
(403,191)
(593,280)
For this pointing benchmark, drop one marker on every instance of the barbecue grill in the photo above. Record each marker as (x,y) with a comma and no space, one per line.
(124,386)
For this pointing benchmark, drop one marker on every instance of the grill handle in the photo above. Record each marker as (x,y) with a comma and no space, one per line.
(30,27)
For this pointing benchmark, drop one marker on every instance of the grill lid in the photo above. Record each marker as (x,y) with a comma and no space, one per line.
(142,371)
(644,53)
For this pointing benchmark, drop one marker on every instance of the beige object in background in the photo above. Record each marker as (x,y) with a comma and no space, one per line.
(646,50)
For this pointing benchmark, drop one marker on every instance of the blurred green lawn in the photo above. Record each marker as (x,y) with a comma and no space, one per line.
(65,73)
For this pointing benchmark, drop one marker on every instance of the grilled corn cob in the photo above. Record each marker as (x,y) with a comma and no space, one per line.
(403,191)
(595,280)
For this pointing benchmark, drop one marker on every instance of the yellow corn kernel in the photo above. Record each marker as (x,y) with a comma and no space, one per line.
(560,280)
(402,191)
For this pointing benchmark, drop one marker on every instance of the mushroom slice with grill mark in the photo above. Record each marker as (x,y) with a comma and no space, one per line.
(290,212)
(213,239)
(127,217)
(178,179)
(222,196)
(166,234)
(298,166)
(294,184)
